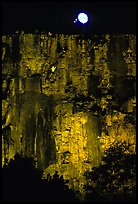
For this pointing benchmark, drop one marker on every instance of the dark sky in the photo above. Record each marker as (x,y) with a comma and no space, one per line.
(58,17)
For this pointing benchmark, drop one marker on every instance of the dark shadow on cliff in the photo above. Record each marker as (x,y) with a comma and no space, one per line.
(22,182)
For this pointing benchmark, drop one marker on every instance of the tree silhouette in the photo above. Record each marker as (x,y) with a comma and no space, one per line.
(115,178)
(22,182)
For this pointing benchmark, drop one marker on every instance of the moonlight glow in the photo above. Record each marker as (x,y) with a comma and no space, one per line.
(83,18)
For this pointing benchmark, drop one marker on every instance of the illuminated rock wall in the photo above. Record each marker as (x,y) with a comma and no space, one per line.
(68,98)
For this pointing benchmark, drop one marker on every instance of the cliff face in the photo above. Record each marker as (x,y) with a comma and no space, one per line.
(68,98)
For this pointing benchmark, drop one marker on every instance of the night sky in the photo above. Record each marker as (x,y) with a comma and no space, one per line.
(58,17)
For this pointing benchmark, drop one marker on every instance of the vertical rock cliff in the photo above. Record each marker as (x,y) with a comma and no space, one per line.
(67,98)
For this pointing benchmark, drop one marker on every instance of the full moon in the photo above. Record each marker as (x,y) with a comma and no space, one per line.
(83,18)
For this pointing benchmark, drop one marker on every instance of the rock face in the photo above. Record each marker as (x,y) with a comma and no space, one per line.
(68,98)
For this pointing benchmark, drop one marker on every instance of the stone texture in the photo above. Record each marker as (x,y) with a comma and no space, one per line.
(68,98)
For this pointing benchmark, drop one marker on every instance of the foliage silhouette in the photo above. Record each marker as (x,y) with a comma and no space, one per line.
(115,178)
(22,182)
